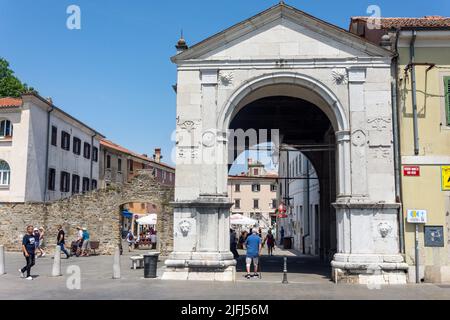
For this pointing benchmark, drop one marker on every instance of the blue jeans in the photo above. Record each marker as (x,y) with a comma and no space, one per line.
(61,245)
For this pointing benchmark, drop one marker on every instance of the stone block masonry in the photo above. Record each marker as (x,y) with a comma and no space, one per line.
(99,211)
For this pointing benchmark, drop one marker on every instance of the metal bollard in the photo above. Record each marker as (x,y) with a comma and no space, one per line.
(56,270)
(116,265)
(2,260)
(285,280)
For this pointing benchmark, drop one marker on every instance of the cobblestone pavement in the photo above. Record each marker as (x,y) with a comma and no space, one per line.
(308,279)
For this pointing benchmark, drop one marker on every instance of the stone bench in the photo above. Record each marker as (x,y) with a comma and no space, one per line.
(137,262)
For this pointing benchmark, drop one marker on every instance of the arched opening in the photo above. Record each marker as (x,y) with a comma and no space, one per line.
(139,225)
(308,125)
(5,174)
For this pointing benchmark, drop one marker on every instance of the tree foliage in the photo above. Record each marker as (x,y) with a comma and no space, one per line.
(10,85)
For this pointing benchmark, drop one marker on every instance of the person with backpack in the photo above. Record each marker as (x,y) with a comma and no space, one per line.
(130,240)
(270,241)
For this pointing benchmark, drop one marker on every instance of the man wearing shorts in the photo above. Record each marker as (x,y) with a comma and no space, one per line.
(253,245)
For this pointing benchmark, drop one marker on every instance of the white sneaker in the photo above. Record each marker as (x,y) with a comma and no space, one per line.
(30,278)
(21,274)
(43,255)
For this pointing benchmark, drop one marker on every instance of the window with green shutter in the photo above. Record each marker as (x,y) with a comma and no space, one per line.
(447,98)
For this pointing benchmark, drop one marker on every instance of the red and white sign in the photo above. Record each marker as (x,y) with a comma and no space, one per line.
(411,171)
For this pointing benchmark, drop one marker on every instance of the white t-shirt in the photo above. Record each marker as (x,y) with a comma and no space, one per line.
(80,234)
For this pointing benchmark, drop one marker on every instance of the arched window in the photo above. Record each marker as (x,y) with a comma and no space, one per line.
(5,174)
(6,129)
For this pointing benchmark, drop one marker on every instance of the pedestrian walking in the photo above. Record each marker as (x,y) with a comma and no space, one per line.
(85,246)
(233,244)
(130,240)
(270,242)
(253,245)
(28,250)
(281,236)
(61,241)
(41,246)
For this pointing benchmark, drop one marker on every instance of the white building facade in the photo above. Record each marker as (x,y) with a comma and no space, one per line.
(337,81)
(299,191)
(50,154)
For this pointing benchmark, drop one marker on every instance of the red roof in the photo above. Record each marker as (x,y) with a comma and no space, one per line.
(10,102)
(424,22)
(112,145)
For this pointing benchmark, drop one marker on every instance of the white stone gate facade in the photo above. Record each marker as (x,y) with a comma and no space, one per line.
(285,52)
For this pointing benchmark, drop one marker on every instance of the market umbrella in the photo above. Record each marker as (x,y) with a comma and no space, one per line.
(151,220)
(239,219)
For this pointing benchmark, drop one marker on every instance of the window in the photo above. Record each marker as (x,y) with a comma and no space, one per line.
(255,204)
(164,175)
(6,129)
(273,188)
(51,179)
(94,154)
(142,206)
(76,146)
(65,140)
(237,188)
(54,135)
(237,203)
(130,165)
(65,182)
(447,98)
(94,184)
(119,165)
(5,174)
(75,183)
(85,185)
(87,150)
(108,162)
(274,203)
(256,188)
(255,172)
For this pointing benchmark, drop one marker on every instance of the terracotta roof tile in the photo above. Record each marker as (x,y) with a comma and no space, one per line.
(112,145)
(10,102)
(424,22)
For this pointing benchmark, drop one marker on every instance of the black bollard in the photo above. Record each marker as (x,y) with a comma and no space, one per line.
(285,280)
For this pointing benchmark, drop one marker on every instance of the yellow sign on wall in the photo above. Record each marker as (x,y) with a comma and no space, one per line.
(446,178)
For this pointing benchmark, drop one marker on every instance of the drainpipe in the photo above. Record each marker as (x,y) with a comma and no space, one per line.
(47,151)
(414,91)
(397,151)
(307,205)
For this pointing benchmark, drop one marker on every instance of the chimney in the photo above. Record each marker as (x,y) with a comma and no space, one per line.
(50,100)
(157,156)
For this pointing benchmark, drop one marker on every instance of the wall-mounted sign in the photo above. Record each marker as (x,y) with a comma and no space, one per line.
(434,236)
(446,178)
(411,171)
(417,216)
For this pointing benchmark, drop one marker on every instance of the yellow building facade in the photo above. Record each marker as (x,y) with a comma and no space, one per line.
(428,52)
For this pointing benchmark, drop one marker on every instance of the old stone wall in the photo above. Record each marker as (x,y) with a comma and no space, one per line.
(99,211)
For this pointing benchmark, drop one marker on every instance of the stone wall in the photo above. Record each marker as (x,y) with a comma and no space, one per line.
(99,211)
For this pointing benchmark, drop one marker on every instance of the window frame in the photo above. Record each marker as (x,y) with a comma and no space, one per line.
(54,136)
(4,135)
(75,186)
(87,150)
(64,181)
(88,184)
(65,140)
(94,154)
(108,162)
(7,173)
(256,201)
(237,187)
(258,185)
(51,179)
(76,148)
(119,165)
(237,203)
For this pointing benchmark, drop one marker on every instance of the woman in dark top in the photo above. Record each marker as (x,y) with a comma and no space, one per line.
(28,250)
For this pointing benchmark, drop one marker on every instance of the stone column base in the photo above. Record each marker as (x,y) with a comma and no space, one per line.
(200,267)
(369,269)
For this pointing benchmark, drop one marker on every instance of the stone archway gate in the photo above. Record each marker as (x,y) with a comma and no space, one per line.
(99,211)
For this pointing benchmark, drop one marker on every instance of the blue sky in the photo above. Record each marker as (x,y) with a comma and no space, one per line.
(115,74)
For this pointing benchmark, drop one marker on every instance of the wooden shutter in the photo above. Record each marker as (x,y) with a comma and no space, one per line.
(447,98)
